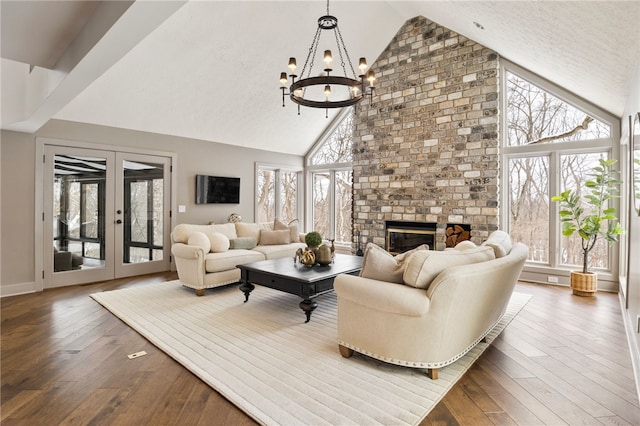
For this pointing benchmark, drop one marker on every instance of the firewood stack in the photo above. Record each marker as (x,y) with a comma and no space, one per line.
(455,234)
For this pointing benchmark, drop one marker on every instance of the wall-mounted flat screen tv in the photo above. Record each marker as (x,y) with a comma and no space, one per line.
(217,190)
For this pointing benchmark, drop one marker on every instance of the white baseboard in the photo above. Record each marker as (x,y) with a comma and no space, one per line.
(633,343)
(17,289)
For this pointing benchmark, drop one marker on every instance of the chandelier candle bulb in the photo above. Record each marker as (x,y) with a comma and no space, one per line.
(371,77)
(328,58)
(362,65)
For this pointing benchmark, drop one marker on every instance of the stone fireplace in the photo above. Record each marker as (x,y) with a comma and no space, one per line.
(426,147)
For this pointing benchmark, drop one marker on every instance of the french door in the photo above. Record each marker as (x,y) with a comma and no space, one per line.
(106,215)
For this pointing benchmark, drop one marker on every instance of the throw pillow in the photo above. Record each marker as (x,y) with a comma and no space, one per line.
(248,230)
(465,245)
(379,264)
(500,242)
(219,242)
(424,266)
(201,240)
(246,243)
(269,238)
(292,227)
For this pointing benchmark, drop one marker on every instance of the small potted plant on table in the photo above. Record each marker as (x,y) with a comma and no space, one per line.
(596,221)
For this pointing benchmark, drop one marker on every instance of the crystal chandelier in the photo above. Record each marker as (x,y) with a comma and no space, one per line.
(327,90)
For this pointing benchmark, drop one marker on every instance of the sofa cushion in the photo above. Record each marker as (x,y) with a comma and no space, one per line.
(224,261)
(268,238)
(201,240)
(380,265)
(279,250)
(227,229)
(425,265)
(500,242)
(243,243)
(292,227)
(219,242)
(246,229)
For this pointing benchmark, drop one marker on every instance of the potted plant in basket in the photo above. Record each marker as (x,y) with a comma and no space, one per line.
(598,220)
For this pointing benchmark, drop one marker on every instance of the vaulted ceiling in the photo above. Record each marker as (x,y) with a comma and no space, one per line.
(209,69)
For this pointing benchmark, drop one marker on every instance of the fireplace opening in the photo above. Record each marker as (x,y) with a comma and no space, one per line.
(404,236)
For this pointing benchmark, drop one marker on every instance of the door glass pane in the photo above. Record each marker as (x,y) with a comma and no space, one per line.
(73,209)
(320,202)
(266,199)
(529,205)
(90,213)
(139,209)
(343,206)
(574,173)
(78,212)
(158,203)
(144,211)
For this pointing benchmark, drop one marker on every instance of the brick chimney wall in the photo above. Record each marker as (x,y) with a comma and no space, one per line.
(426,148)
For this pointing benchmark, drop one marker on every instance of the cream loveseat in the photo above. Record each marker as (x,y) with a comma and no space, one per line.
(206,256)
(447,302)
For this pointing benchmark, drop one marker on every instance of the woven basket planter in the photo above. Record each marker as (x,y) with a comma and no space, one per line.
(584,284)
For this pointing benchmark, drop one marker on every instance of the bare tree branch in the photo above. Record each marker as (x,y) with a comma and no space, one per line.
(584,126)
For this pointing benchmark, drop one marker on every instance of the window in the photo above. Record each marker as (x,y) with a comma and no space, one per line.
(277,194)
(573,172)
(535,116)
(529,204)
(552,140)
(330,176)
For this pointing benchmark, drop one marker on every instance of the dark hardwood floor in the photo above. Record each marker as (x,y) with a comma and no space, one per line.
(563,360)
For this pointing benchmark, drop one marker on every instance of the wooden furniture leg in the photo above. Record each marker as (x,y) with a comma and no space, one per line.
(200,292)
(432,373)
(345,352)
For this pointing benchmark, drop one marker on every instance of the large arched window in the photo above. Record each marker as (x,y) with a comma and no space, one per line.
(550,141)
(329,181)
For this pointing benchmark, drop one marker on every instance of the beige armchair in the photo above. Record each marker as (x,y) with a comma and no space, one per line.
(426,328)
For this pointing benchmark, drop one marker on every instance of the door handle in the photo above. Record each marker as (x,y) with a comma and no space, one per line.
(118,221)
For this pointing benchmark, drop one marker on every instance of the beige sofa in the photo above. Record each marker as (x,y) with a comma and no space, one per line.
(206,256)
(449,301)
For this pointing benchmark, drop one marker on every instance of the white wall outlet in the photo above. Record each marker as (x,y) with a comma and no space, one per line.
(552,279)
(182,208)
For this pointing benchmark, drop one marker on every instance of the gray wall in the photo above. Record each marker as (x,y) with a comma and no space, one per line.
(193,157)
(17,191)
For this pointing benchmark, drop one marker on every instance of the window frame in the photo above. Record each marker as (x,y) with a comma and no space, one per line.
(536,271)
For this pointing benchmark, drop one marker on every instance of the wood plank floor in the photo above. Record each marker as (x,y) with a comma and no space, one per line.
(563,360)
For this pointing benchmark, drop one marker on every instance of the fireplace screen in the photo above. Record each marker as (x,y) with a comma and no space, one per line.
(401,239)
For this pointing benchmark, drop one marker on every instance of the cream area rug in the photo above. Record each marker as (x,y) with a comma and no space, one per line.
(266,360)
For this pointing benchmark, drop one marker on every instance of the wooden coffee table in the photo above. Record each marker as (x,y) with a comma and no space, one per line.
(294,278)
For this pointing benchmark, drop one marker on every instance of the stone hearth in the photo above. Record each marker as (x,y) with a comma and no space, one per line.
(426,148)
